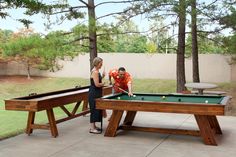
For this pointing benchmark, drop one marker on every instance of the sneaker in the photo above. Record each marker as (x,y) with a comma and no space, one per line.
(98,129)
(94,131)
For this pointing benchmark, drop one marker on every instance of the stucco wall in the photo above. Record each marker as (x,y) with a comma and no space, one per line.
(213,68)
(233,73)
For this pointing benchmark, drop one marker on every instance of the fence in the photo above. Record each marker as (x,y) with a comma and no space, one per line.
(212,67)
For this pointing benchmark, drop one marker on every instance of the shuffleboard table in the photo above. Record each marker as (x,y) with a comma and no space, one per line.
(47,101)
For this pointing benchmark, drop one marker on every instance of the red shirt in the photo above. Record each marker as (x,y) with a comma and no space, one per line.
(120,82)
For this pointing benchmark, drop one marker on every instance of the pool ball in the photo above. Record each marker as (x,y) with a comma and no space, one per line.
(163,97)
(206,101)
(118,98)
(142,98)
(179,100)
(134,96)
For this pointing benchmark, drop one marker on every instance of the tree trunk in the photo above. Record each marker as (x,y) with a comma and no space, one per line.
(194,42)
(92,32)
(28,70)
(181,48)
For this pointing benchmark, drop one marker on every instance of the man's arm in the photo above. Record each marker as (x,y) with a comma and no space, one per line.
(129,84)
(130,89)
(110,76)
(110,82)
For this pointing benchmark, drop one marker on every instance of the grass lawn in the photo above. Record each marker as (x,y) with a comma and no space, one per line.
(14,122)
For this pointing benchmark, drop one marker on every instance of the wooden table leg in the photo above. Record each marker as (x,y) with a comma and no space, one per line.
(214,124)
(30,122)
(52,122)
(113,123)
(85,105)
(206,131)
(200,91)
(129,118)
(76,108)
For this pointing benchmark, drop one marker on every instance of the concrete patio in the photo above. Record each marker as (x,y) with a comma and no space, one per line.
(74,140)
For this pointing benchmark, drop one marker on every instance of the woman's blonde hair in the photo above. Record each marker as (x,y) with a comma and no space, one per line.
(96,61)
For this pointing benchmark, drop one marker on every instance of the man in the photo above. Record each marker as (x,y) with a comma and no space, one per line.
(122,80)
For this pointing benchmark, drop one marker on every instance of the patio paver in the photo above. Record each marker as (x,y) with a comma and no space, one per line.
(74,140)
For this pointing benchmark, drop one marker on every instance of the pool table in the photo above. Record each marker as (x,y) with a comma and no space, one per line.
(47,101)
(203,107)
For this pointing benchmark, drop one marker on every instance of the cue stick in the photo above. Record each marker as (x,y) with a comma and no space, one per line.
(121,89)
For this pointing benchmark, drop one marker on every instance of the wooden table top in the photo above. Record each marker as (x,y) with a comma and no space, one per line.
(200,85)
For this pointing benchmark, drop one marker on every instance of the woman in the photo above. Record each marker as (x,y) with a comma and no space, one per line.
(95,91)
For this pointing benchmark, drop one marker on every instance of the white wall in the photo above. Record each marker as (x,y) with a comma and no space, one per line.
(213,68)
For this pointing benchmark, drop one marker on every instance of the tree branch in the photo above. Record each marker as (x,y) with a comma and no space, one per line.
(211,32)
(116,13)
(211,4)
(113,2)
(69,10)
(77,39)
(215,41)
(86,4)
(131,32)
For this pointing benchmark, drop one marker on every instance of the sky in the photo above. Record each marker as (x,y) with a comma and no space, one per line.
(39,20)
(38,25)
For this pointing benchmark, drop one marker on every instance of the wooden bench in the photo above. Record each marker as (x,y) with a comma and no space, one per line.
(47,101)
(209,92)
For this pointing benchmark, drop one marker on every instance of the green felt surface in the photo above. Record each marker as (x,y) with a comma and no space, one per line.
(170,98)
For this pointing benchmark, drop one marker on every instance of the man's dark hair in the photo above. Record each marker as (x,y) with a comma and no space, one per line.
(121,69)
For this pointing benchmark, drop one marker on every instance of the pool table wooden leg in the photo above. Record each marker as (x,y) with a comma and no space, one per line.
(206,131)
(52,122)
(129,118)
(30,122)
(214,124)
(114,123)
